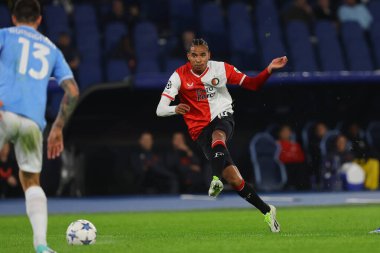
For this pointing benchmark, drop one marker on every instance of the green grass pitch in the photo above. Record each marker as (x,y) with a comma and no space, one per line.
(305,229)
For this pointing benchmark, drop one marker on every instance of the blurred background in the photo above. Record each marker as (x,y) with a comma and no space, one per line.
(313,127)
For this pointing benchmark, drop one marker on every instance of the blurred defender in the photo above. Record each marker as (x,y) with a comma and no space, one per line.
(206,106)
(27,60)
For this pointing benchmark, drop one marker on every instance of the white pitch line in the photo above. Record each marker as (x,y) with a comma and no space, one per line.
(362,201)
(280,199)
(196,197)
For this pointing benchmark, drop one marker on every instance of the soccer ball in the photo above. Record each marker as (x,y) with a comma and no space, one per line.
(81,232)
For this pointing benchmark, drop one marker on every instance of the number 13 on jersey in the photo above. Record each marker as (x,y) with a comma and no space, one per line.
(40,52)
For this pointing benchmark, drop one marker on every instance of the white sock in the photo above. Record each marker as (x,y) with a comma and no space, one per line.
(36,208)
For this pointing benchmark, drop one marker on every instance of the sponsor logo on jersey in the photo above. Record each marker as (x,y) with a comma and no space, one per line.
(169,85)
(204,94)
(215,81)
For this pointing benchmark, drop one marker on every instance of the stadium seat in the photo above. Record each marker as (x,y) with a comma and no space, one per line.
(375,39)
(117,70)
(113,33)
(328,143)
(84,14)
(373,134)
(269,33)
(5,17)
(267,20)
(173,63)
(356,47)
(56,21)
(301,50)
(146,41)
(89,73)
(269,172)
(87,32)
(156,11)
(374,8)
(330,53)
(307,133)
(269,4)
(273,129)
(88,44)
(213,29)
(181,15)
(147,66)
(242,42)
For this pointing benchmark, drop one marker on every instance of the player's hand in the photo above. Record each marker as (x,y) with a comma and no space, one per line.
(277,63)
(182,109)
(55,142)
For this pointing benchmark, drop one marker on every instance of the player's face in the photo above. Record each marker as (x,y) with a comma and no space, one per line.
(198,57)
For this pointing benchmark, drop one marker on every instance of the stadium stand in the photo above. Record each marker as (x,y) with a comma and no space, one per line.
(373,134)
(5,18)
(356,48)
(213,29)
(117,70)
(375,39)
(146,42)
(269,31)
(301,50)
(89,73)
(242,41)
(374,8)
(56,21)
(330,54)
(270,174)
(113,33)
(181,15)
(328,142)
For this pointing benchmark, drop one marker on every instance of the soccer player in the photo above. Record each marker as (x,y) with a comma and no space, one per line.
(206,107)
(27,61)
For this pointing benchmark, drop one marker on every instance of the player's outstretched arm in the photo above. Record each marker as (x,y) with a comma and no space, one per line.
(68,103)
(164,109)
(277,63)
(255,83)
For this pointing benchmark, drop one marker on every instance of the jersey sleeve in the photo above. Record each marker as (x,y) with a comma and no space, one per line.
(172,87)
(61,70)
(234,76)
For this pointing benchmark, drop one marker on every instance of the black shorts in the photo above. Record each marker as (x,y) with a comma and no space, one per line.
(225,123)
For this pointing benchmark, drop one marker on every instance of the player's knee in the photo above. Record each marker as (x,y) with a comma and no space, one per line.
(235,181)
(233,178)
(218,135)
(28,179)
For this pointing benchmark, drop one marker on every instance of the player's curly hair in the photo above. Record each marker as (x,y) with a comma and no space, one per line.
(198,42)
(26,11)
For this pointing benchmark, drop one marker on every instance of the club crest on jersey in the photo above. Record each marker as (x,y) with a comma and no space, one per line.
(169,85)
(215,81)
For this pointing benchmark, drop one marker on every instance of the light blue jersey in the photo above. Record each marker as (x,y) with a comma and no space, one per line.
(27,61)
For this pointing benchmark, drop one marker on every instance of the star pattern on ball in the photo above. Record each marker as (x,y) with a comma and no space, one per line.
(86,242)
(72,235)
(86,226)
